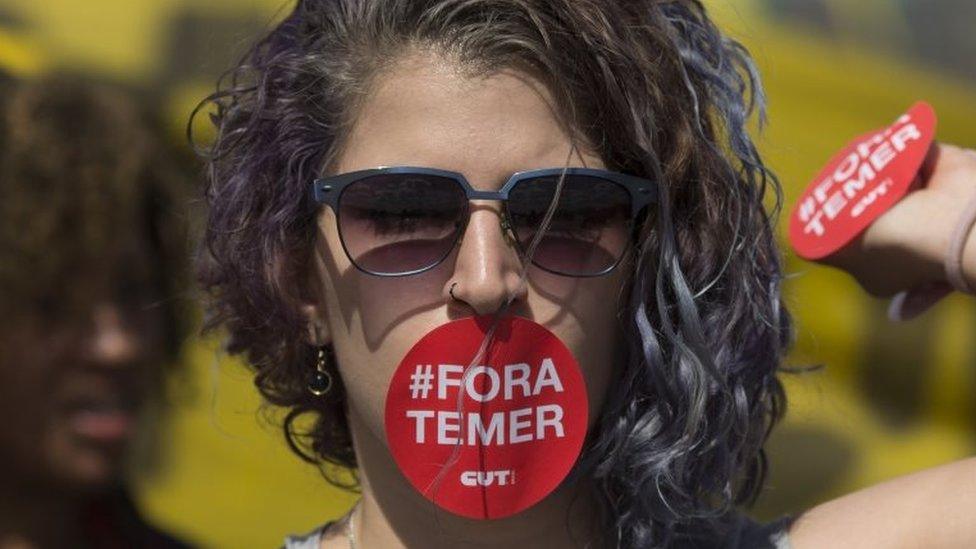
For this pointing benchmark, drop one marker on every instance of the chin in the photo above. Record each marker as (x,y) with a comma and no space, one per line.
(85,467)
(91,475)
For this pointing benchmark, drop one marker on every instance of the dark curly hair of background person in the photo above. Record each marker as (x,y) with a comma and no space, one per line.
(78,160)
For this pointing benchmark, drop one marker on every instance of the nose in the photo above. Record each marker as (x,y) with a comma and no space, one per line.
(488,265)
(113,343)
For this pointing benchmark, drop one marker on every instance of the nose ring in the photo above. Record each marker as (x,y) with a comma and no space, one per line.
(451,291)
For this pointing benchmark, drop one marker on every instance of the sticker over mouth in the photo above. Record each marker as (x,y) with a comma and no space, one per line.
(488,436)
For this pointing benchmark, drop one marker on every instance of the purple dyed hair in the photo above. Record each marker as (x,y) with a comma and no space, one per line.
(657,91)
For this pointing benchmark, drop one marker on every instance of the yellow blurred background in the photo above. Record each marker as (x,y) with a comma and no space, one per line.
(891,400)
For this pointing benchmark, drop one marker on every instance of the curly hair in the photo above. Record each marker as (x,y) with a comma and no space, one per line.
(92,203)
(652,86)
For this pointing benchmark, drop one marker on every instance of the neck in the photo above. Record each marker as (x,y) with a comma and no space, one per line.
(394,514)
(33,516)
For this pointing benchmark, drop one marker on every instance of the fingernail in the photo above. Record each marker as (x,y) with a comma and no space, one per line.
(911,303)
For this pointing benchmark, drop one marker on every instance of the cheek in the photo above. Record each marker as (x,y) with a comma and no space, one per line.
(367,371)
(597,336)
(20,397)
(373,322)
(28,388)
(365,389)
(599,355)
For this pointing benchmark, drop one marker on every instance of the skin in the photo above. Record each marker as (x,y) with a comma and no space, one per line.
(75,389)
(933,508)
(422,112)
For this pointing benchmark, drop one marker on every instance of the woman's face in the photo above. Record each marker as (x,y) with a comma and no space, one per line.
(423,113)
(71,391)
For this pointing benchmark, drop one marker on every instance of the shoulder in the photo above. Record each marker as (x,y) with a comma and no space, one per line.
(930,508)
(311,540)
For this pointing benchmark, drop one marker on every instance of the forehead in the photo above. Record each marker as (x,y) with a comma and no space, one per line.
(424,112)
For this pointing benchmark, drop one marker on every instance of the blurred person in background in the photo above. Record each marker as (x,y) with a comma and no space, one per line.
(92,264)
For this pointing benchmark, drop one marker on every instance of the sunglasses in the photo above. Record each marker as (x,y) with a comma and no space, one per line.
(404,220)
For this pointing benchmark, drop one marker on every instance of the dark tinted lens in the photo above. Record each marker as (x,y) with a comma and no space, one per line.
(589,230)
(398,223)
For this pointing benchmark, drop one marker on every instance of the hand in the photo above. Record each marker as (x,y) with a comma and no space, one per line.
(904,249)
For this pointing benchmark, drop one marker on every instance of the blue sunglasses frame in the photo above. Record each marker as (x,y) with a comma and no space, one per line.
(328,191)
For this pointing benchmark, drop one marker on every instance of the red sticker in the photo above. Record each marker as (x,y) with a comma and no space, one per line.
(522,420)
(866,178)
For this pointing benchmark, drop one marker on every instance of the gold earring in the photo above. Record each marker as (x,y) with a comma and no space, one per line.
(321,381)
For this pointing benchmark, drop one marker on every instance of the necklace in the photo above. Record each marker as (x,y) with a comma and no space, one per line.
(350,528)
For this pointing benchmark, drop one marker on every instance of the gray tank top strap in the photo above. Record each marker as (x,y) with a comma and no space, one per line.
(311,540)
(781,540)
(771,535)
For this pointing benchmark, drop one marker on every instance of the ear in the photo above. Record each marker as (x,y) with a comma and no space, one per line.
(311,305)
(317,326)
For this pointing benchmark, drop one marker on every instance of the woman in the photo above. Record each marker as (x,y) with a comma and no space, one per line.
(92,257)
(678,327)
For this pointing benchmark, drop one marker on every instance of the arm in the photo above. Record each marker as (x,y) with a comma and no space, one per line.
(933,508)
(903,249)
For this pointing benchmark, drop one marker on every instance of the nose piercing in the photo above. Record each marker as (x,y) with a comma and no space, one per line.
(451,291)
